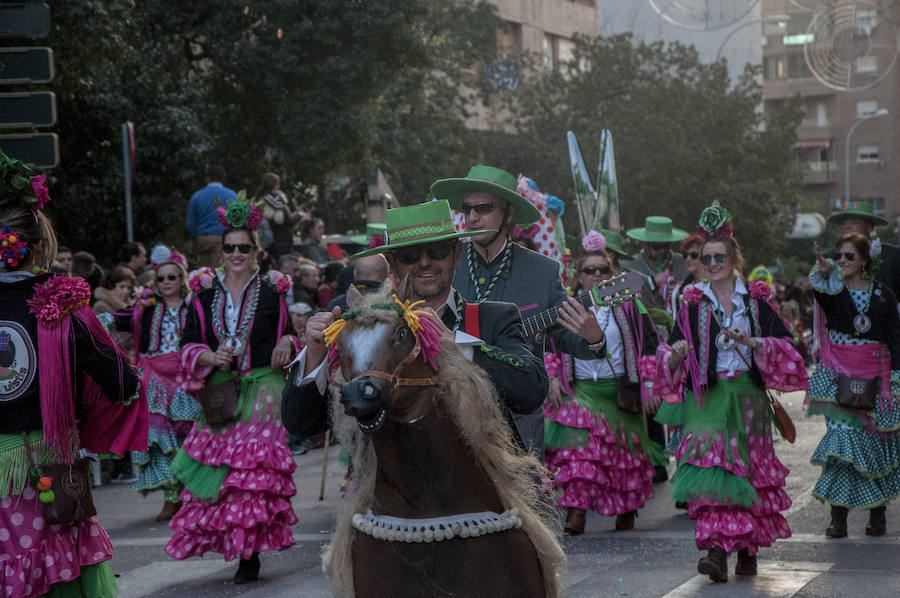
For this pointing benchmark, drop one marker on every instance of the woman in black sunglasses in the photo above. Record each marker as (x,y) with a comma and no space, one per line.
(601,455)
(852,386)
(729,345)
(156,322)
(236,466)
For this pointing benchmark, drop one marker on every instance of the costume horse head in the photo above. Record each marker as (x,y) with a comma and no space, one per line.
(442,502)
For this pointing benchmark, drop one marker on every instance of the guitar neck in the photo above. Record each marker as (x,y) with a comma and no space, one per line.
(541,321)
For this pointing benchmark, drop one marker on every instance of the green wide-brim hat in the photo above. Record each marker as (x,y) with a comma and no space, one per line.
(375,228)
(857,209)
(427,222)
(490,180)
(614,242)
(657,229)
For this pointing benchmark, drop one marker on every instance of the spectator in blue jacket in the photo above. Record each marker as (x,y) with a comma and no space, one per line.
(202,223)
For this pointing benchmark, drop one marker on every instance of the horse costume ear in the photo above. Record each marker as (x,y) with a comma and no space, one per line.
(354,297)
(403,288)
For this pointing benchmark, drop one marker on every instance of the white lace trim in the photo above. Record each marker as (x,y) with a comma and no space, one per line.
(466,525)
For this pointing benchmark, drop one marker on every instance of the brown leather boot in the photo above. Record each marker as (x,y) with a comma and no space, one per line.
(168,511)
(877,522)
(625,521)
(574,521)
(838,527)
(714,564)
(746,563)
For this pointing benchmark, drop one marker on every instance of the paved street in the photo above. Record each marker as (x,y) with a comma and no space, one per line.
(658,558)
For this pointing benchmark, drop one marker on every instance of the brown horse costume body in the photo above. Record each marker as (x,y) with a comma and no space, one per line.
(435,445)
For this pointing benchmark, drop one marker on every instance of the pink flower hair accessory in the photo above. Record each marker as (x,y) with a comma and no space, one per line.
(692,295)
(239,213)
(57,297)
(593,241)
(18,182)
(528,233)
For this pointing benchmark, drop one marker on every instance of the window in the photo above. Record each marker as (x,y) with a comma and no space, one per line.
(775,67)
(797,68)
(821,115)
(867,153)
(866,21)
(557,51)
(866,108)
(877,205)
(509,41)
(866,64)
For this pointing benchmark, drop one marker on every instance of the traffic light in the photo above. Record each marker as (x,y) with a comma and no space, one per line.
(24,113)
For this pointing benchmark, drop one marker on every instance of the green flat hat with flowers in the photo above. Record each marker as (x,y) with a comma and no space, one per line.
(372,229)
(657,229)
(427,222)
(857,209)
(614,242)
(490,180)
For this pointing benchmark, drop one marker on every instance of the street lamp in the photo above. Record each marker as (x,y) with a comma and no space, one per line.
(780,20)
(859,121)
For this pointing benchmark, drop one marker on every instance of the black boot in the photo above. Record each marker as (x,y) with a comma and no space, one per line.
(714,564)
(838,527)
(248,570)
(877,522)
(746,563)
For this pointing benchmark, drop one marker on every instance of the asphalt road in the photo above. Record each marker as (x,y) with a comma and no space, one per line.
(657,558)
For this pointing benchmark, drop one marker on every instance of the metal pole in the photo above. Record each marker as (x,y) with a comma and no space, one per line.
(126,162)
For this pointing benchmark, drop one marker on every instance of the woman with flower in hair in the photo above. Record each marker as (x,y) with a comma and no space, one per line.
(601,455)
(54,357)
(729,344)
(236,467)
(156,323)
(855,386)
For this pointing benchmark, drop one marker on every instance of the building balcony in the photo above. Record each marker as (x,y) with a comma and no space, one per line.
(783,89)
(820,173)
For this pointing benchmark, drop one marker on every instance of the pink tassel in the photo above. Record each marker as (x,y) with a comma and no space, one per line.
(820,333)
(136,315)
(57,401)
(691,364)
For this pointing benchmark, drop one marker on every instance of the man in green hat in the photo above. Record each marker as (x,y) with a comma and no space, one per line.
(423,250)
(859,217)
(493,267)
(662,267)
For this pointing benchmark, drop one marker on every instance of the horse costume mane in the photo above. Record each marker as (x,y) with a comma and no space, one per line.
(467,394)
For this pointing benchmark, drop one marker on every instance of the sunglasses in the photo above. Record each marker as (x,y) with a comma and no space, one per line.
(850,257)
(691,254)
(169,277)
(243,248)
(480,208)
(719,257)
(597,270)
(413,253)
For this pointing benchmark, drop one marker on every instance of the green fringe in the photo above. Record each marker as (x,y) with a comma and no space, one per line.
(671,414)
(95,581)
(204,482)
(693,483)
(14,464)
(830,409)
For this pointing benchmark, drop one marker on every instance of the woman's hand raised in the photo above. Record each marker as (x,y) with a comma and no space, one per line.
(825,267)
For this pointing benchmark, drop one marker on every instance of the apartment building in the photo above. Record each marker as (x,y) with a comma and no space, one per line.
(845,130)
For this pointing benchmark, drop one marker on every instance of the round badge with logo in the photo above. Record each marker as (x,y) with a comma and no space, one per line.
(18,362)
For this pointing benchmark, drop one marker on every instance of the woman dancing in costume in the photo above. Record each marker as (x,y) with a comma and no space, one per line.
(728,346)
(860,452)
(601,455)
(237,473)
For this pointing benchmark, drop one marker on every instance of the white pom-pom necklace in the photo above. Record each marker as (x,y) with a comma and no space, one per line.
(437,529)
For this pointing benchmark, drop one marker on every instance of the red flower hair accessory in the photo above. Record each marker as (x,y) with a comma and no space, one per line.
(760,290)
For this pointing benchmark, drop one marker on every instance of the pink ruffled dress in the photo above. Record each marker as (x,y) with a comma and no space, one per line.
(728,472)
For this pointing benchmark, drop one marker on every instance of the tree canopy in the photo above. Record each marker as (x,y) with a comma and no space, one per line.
(683,135)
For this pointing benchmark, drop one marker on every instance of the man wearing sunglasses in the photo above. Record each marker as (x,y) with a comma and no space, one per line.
(423,251)
(859,217)
(495,268)
(662,267)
